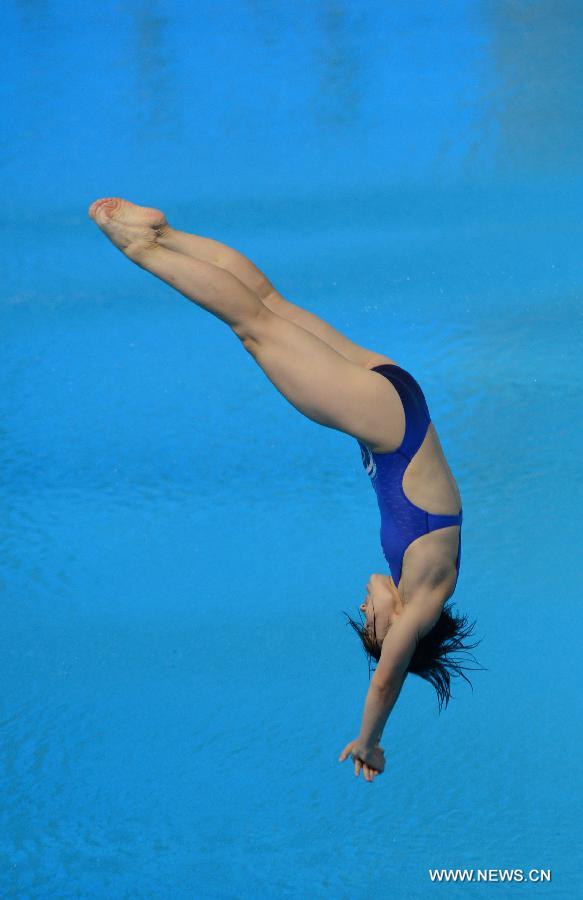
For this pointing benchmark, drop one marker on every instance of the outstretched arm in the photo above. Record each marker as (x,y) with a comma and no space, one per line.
(386,683)
(378,705)
(389,677)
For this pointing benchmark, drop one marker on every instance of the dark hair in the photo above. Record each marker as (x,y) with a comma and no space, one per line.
(433,659)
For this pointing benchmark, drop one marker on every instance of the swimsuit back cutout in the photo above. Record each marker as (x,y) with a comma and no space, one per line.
(401,520)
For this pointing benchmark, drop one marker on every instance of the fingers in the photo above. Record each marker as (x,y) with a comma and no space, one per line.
(370,773)
(345,752)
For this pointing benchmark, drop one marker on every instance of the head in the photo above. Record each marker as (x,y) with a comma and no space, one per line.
(432,659)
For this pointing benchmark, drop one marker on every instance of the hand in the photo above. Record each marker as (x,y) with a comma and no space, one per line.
(370,759)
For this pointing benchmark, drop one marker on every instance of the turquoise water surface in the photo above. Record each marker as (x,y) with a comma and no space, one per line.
(179,544)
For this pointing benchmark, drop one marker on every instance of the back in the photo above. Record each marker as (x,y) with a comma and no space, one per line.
(416,491)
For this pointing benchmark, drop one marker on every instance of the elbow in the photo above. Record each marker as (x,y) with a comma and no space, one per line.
(386,683)
(390,680)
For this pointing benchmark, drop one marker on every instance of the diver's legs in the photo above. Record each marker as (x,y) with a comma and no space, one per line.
(218,254)
(135,230)
(313,377)
(211,251)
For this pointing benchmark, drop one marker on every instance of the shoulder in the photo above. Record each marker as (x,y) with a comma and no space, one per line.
(427,599)
(429,563)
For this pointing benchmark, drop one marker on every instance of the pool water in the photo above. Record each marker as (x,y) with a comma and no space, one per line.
(179,545)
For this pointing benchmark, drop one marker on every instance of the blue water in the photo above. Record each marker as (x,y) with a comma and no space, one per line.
(178,544)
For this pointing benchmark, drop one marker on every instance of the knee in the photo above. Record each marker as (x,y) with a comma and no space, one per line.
(252,328)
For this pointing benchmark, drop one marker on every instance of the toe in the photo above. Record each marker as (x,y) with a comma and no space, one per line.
(109,203)
(109,210)
(110,206)
(95,206)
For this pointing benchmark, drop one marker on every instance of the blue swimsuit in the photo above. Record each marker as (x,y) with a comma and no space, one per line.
(401,520)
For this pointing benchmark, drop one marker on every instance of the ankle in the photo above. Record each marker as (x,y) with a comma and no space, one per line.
(164,235)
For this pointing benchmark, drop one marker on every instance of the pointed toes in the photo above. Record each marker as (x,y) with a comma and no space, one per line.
(108,205)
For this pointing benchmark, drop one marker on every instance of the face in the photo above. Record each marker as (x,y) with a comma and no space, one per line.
(382,605)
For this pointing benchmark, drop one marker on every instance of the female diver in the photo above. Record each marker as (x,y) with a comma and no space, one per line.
(335,382)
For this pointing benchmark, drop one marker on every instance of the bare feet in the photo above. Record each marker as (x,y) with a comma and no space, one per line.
(133,229)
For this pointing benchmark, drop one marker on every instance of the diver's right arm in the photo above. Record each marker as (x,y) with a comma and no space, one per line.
(398,647)
(397,650)
(379,702)
(382,695)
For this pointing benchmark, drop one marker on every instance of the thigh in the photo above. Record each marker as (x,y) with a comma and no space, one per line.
(326,332)
(322,384)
